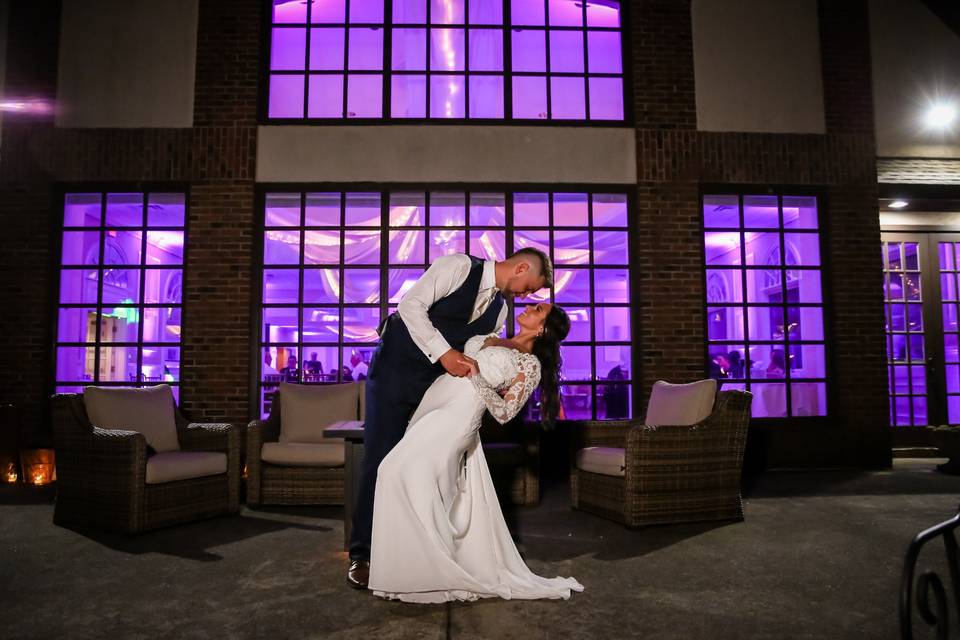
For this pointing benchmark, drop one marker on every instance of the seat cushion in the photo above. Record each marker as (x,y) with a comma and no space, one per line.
(148,410)
(183,465)
(306,409)
(609,461)
(680,404)
(304,454)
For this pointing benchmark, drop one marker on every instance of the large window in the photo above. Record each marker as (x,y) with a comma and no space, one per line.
(446,59)
(764,302)
(335,263)
(120,300)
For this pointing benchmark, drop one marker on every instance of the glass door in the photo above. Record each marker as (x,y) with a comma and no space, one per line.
(920,280)
(948,261)
(904,293)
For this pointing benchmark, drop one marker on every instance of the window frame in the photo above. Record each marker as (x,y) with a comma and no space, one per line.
(626,74)
(741,190)
(385,189)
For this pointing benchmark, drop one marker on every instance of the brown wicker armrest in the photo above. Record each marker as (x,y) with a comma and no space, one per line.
(110,452)
(101,476)
(211,436)
(600,433)
(258,432)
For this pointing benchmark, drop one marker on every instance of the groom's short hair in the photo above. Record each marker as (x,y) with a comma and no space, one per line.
(546,266)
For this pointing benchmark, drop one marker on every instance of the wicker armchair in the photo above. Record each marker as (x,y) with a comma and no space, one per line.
(101,473)
(279,484)
(513,453)
(670,474)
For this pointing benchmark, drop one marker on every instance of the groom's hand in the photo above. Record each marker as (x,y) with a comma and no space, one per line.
(451,361)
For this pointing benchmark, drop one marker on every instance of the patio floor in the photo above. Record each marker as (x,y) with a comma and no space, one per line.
(819,556)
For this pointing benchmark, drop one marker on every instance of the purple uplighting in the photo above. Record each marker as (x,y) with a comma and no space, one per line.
(31,106)
(325,289)
(121,281)
(432,59)
(765,317)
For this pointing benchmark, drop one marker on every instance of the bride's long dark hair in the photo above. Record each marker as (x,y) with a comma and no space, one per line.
(547,350)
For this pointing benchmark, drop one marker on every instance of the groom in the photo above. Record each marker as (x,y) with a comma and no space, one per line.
(459,297)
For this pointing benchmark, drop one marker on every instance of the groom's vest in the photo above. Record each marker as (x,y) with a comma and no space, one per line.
(451,316)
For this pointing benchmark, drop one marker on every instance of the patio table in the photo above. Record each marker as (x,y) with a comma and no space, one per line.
(352,433)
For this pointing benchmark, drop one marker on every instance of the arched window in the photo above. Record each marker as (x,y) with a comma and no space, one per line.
(773,277)
(716,288)
(113,254)
(173,290)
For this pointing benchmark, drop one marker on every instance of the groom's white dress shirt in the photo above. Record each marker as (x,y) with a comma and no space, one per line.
(444,276)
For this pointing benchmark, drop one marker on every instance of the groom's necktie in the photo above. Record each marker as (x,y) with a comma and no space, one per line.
(486,299)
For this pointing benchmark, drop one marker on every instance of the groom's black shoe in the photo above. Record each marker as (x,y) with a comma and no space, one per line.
(358,574)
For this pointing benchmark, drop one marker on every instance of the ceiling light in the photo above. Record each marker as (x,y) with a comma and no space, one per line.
(941,116)
(898,204)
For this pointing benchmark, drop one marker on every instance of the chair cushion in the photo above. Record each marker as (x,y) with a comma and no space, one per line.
(306,409)
(680,404)
(183,465)
(304,454)
(609,461)
(148,410)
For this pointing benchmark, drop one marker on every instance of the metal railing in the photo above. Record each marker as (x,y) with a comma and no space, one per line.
(929,584)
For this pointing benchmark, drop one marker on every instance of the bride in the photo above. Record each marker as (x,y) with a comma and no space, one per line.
(438,532)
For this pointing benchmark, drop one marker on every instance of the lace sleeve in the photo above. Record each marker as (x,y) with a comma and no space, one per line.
(505,408)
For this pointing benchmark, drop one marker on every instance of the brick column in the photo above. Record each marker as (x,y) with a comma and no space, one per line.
(25,215)
(859,344)
(215,359)
(215,366)
(666,249)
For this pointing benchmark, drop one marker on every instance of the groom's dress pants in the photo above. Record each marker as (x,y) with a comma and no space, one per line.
(391,398)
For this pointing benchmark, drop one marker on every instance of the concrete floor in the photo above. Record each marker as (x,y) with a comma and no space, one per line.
(819,556)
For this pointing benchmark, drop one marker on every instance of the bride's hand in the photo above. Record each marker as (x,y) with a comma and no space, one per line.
(471,364)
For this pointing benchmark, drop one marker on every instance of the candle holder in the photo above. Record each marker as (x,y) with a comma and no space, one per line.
(38,466)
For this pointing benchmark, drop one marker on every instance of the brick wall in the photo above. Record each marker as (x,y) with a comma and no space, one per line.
(216,157)
(215,365)
(674,159)
(25,324)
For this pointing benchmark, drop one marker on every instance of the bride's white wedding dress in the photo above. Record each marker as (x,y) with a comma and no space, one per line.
(438,532)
